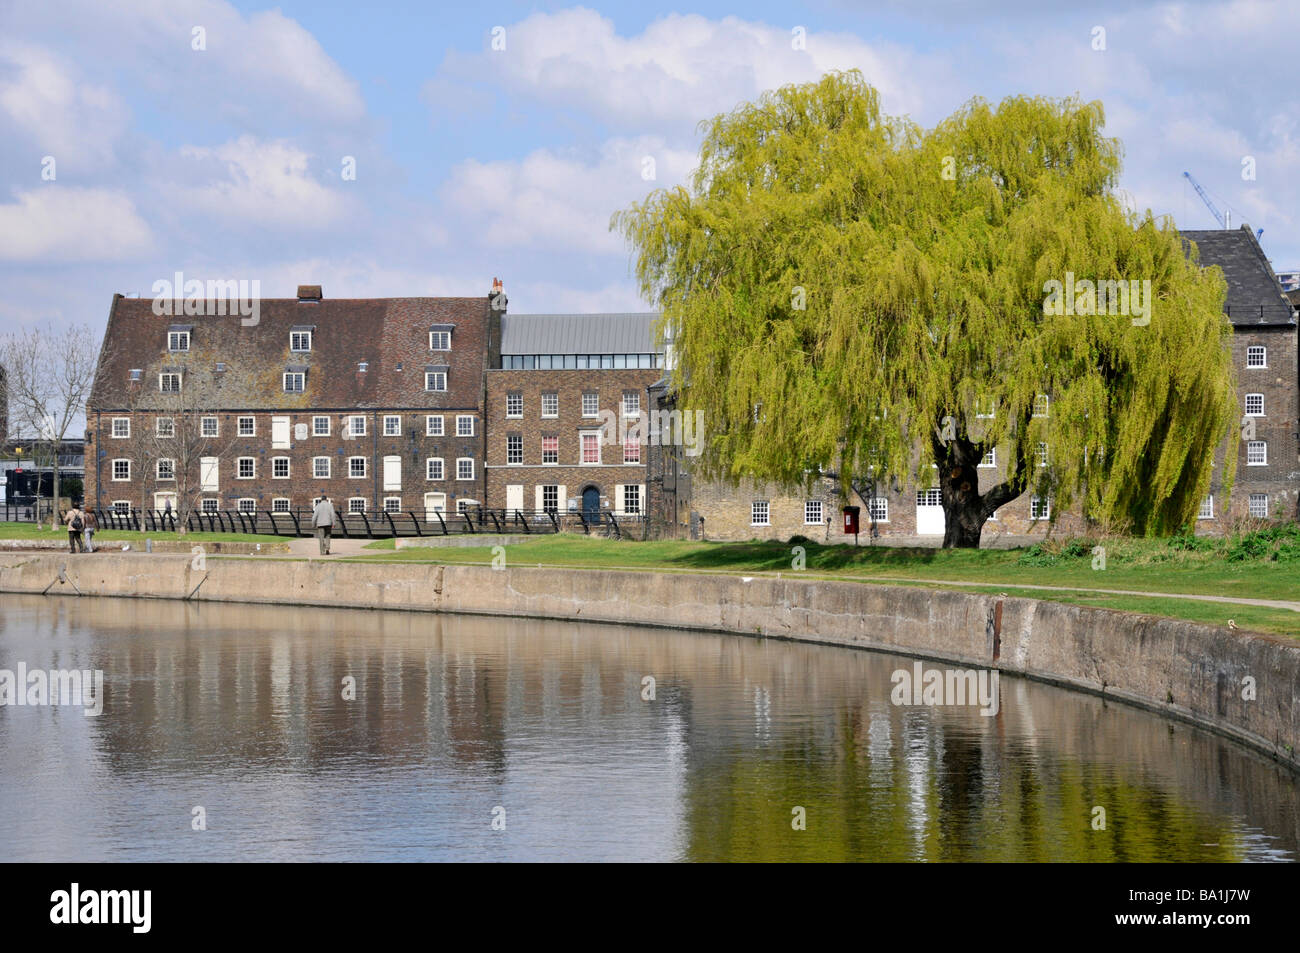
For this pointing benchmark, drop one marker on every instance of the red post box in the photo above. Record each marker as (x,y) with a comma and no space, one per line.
(851,519)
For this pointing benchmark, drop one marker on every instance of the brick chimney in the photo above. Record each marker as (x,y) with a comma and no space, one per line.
(497,303)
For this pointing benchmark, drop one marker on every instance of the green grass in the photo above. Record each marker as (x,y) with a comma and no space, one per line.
(1155,566)
(34,531)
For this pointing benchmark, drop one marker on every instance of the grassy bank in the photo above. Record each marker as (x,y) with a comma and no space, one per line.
(1263,566)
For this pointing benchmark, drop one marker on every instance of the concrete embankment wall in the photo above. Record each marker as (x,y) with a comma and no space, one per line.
(1186,670)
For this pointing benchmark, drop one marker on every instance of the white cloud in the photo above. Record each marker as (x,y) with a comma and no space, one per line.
(61,224)
(262,183)
(558,201)
(682,69)
(76,122)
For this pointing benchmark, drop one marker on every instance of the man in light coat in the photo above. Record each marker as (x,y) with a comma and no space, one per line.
(322,517)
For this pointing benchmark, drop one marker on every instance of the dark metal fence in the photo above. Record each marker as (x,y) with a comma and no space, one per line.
(381,524)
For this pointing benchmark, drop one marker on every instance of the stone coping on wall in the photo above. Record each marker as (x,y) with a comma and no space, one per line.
(1185,670)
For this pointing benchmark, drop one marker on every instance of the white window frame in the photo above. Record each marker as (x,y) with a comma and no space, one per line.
(352,500)
(1262,500)
(294,342)
(216,426)
(630,396)
(158,470)
(396,421)
(439,340)
(553,397)
(275,501)
(362,474)
(637,452)
(881,502)
(435,381)
(459,461)
(169,390)
(352,425)
(158,428)
(288,468)
(514,448)
(113,428)
(252,426)
(215,506)
(392,499)
(328,468)
(595,403)
(181,343)
(765,511)
(556,461)
(295,382)
(241,508)
(429,466)
(315,425)
(989,460)
(121,507)
(582,448)
(1262,447)
(1254,413)
(429,430)
(467,419)
(239,465)
(630,507)
(1206,511)
(514,404)
(1043,401)
(808,508)
(113,470)
(1043,508)
(1262,351)
(1043,453)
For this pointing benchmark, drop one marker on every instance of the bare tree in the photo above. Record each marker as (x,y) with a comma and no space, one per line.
(50,371)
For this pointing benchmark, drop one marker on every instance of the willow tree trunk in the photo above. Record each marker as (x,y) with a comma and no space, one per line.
(965,511)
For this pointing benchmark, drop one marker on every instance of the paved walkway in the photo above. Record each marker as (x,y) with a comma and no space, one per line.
(310,547)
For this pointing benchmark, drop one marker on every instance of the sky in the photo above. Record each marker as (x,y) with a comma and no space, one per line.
(420,148)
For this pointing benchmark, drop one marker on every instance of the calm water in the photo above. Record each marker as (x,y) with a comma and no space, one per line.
(239,709)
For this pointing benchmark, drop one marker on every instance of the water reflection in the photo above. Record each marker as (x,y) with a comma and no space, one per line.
(248,712)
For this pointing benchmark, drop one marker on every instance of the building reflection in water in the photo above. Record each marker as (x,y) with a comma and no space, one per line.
(246,710)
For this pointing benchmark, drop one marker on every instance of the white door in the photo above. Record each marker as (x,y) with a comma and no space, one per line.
(514,496)
(392,473)
(929,512)
(160,501)
(208,470)
(434,503)
(279,433)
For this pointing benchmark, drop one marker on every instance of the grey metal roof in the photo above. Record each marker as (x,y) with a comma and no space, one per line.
(578,333)
(1254,293)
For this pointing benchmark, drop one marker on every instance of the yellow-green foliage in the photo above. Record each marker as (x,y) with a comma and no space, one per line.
(922,257)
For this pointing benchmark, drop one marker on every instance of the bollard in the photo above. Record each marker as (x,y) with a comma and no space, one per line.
(148,545)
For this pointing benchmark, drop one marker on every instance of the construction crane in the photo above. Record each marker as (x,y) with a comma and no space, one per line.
(1225,219)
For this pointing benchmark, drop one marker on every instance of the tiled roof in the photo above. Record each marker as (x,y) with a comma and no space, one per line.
(1254,293)
(578,334)
(379,333)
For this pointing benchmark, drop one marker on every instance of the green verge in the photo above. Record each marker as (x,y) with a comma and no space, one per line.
(1155,566)
(29,531)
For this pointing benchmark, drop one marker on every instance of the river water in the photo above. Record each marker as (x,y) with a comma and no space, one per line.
(470,738)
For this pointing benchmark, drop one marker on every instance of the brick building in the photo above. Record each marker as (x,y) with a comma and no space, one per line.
(566,413)
(1267,364)
(356,398)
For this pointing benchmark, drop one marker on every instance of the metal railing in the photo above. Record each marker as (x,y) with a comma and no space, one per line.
(380,524)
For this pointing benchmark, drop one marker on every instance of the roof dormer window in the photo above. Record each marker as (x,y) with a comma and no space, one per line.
(178,340)
(300,340)
(169,383)
(136,373)
(440,337)
(295,380)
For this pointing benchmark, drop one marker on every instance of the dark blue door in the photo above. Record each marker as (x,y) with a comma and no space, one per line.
(591,504)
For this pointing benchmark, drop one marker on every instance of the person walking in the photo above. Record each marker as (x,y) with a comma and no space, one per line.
(76,521)
(322,517)
(88,535)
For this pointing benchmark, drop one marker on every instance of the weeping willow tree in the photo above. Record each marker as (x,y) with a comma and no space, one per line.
(847,292)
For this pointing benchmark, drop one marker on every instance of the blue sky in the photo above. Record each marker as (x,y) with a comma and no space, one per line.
(227,162)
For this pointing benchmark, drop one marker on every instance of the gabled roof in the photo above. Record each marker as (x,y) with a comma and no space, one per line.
(578,334)
(380,333)
(1254,294)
